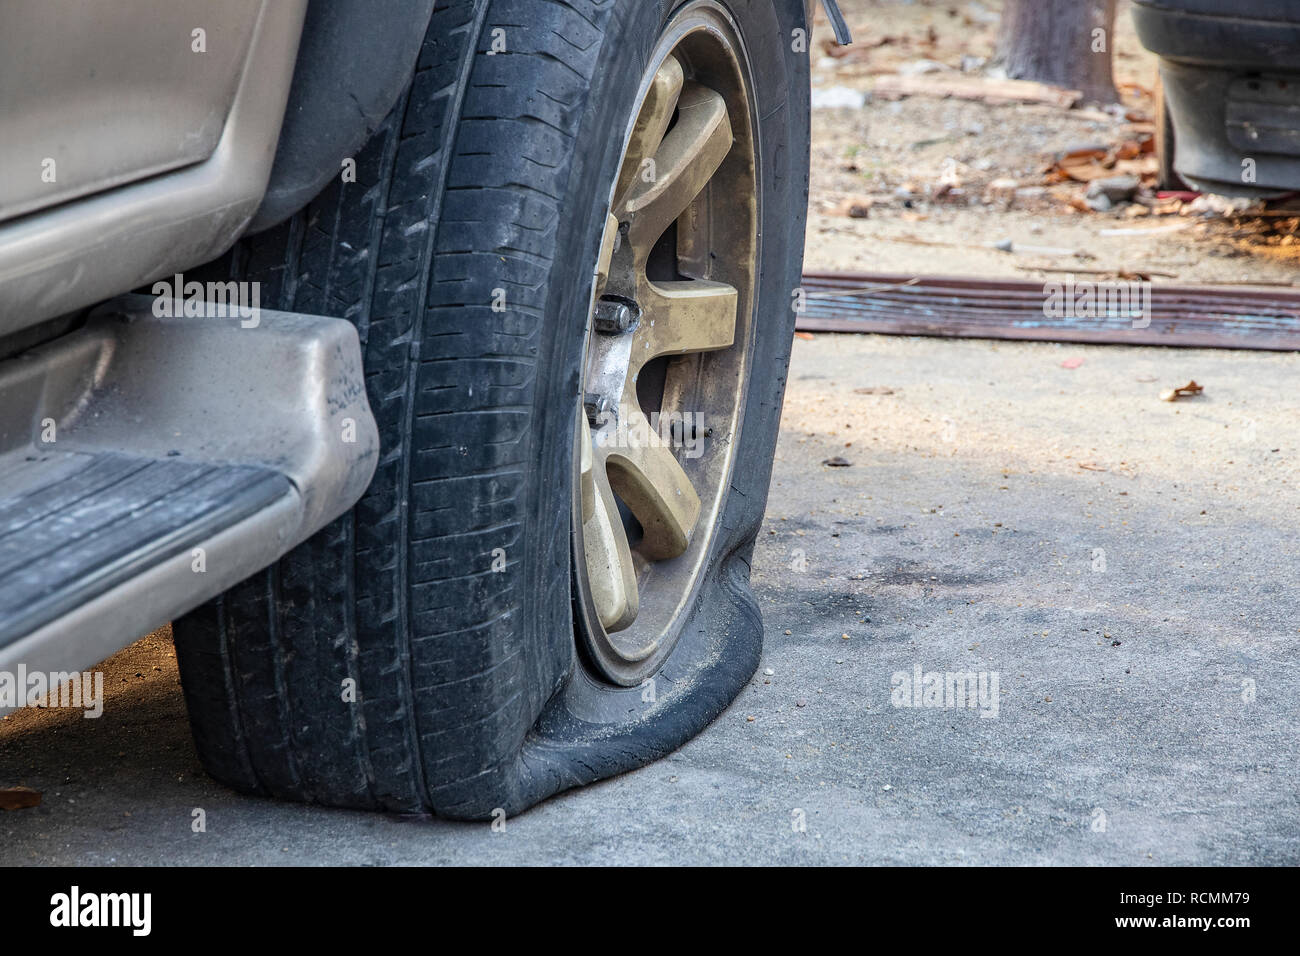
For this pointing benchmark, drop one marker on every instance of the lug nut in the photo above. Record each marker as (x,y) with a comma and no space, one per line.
(614,316)
(595,406)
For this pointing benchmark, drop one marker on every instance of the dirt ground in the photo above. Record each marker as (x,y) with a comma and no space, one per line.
(1125,565)
(943,181)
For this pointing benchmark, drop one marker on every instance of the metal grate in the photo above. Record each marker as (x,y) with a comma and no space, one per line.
(1148,314)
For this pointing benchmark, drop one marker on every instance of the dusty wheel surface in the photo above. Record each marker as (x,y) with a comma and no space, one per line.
(571,255)
(666,364)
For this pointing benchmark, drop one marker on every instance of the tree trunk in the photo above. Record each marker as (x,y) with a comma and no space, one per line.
(1065,43)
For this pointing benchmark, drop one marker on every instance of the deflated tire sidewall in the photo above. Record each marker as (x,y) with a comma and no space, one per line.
(590,729)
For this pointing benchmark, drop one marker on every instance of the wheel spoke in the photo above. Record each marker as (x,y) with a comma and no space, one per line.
(651,125)
(610,572)
(687,159)
(683,317)
(647,477)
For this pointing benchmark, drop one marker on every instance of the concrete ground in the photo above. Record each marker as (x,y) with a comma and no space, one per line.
(1126,567)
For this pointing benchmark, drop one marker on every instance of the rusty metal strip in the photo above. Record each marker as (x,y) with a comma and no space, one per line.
(963,307)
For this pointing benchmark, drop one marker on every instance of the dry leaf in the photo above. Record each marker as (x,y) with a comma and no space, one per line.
(19,798)
(1129,149)
(1182,391)
(1081,165)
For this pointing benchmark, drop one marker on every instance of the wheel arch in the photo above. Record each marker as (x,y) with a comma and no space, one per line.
(355,59)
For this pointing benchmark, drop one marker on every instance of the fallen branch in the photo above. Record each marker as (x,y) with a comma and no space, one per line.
(993,92)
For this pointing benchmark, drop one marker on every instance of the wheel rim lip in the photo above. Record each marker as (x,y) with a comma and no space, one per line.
(610,655)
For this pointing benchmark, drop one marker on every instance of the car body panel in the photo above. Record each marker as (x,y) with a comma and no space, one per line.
(94,95)
(77,253)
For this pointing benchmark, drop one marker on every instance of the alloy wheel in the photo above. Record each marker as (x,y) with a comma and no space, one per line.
(669,331)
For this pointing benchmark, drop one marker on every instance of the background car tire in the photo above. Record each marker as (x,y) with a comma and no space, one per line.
(385,663)
(1167,177)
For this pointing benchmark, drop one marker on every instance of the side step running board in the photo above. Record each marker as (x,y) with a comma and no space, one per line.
(147,464)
